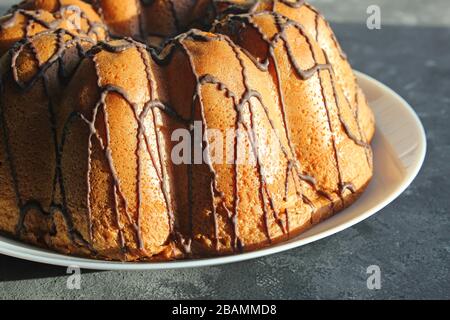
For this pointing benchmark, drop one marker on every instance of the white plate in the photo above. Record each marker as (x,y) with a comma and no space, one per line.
(399,151)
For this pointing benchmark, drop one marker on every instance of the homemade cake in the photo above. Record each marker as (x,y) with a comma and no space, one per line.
(91,125)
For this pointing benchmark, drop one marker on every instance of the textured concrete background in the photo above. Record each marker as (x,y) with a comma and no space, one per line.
(409,240)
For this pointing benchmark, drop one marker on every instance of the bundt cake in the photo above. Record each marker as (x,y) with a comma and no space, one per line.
(158,130)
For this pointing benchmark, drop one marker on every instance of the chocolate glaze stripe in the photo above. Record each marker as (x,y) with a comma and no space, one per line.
(14,54)
(211,80)
(108,152)
(245,99)
(214,189)
(61,181)
(35,206)
(342,54)
(320,18)
(161,173)
(297,4)
(307,75)
(302,73)
(52,118)
(102,103)
(30,15)
(59,16)
(93,26)
(264,67)
(342,186)
(58,173)
(139,134)
(184,244)
(297,166)
(56,57)
(213,186)
(65,132)
(88,176)
(237,243)
(61,48)
(117,192)
(333,139)
(293,165)
(205,143)
(151,105)
(284,23)
(309,178)
(362,141)
(256,95)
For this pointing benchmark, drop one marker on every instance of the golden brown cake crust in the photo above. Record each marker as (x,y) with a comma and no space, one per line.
(89,169)
(32,17)
(316,25)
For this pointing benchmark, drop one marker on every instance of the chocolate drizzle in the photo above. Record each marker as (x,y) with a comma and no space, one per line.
(33,17)
(150,106)
(264,194)
(297,4)
(320,19)
(213,184)
(237,242)
(283,23)
(26,206)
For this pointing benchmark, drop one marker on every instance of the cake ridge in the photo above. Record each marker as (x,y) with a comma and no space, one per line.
(26,206)
(304,74)
(58,16)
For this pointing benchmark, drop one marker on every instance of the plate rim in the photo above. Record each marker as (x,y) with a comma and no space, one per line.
(38,255)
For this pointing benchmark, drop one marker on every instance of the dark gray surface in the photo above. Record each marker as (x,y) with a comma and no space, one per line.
(409,240)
